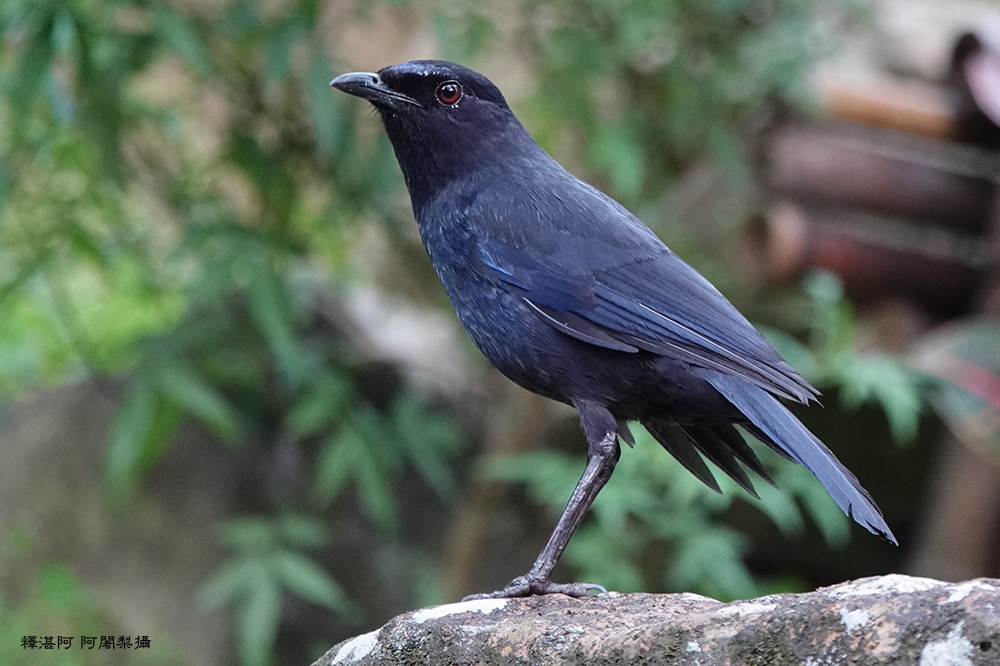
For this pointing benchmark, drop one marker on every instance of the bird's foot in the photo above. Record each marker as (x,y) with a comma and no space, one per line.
(525,586)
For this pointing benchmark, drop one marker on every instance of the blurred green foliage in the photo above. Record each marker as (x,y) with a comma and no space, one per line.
(266,562)
(646,87)
(58,604)
(830,358)
(179,188)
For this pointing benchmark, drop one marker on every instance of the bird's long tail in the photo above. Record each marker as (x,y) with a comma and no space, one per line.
(777,427)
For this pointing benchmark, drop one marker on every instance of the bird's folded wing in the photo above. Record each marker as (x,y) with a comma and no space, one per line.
(655,303)
(686,316)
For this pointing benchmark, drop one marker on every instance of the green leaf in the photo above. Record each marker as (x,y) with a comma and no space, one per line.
(302,532)
(429,440)
(359,451)
(130,431)
(799,482)
(833,318)
(327,117)
(302,577)
(593,547)
(249,535)
(882,379)
(36,265)
(195,395)
(269,305)
(228,584)
(275,188)
(321,405)
(257,618)
(712,559)
(33,64)
(780,507)
(374,489)
(336,463)
(179,34)
(550,477)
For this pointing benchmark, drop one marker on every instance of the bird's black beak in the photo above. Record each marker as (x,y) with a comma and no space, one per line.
(369,85)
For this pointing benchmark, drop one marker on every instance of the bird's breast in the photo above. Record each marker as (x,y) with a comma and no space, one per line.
(501,324)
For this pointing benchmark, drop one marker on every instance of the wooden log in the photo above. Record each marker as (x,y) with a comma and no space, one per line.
(910,106)
(926,180)
(873,262)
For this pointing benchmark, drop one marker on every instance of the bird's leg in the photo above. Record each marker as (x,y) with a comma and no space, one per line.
(599,468)
(603,455)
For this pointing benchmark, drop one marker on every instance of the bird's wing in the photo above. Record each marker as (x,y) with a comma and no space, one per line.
(610,282)
(664,306)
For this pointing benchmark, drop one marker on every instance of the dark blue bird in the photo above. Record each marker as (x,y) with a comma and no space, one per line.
(572,297)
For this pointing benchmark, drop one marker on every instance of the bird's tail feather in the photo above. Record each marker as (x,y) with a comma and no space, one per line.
(721,444)
(773,424)
(681,446)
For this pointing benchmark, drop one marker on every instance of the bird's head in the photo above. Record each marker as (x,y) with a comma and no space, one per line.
(443,120)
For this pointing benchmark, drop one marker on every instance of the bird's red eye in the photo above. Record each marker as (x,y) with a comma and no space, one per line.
(449,92)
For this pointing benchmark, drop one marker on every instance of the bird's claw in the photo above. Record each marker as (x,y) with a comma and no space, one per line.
(525,586)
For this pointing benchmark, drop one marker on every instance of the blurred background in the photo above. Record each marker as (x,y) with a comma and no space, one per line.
(238,416)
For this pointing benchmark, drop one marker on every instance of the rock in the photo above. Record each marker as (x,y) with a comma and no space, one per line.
(888,619)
